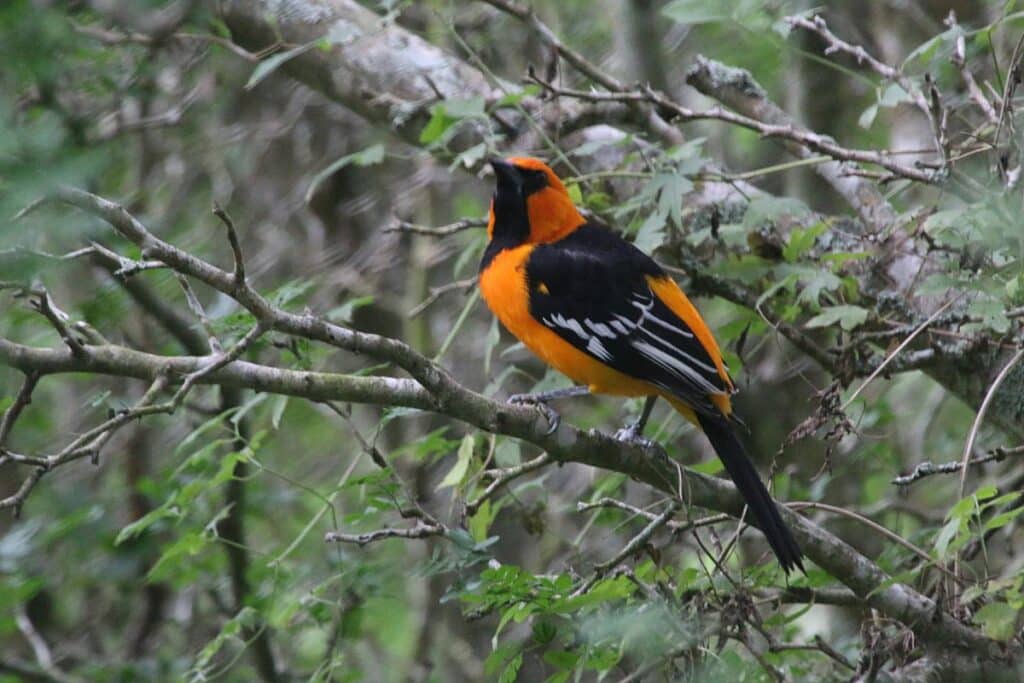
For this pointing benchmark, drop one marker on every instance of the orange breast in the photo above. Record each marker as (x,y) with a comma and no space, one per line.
(504,288)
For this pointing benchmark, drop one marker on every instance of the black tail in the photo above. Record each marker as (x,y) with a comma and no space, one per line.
(766,515)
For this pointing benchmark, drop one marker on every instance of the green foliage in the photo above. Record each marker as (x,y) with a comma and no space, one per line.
(145,539)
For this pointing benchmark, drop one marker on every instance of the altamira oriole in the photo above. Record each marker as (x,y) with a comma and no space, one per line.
(602,312)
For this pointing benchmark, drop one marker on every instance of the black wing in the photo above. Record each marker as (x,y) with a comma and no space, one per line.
(591,289)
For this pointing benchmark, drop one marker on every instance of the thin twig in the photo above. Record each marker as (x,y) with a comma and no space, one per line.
(236,248)
(197,309)
(117,38)
(676,527)
(927,469)
(421,530)
(630,548)
(895,352)
(972,435)
(437,292)
(127,267)
(960,62)
(441,231)
(503,477)
(21,401)
(891,535)
(980,417)
(835,44)
(42,303)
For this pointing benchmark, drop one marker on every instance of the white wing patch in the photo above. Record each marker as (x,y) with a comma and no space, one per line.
(598,349)
(600,328)
(676,366)
(569,324)
(676,350)
(655,343)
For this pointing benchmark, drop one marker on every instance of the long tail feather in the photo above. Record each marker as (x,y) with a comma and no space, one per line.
(764,510)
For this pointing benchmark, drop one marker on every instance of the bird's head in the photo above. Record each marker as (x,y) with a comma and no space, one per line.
(530,203)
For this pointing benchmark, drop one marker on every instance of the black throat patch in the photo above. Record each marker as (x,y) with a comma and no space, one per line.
(511,219)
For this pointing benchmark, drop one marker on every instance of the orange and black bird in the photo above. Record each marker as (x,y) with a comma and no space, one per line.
(600,311)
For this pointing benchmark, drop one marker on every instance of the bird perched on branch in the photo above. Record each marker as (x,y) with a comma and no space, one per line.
(599,310)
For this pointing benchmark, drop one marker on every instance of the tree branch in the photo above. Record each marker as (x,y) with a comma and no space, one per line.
(567,444)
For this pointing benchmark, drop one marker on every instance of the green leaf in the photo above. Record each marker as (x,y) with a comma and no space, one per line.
(561,659)
(481,521)
(517,97)
(544,631)
(280,403)
(763,210)
(511,672)
(651,234)
(998,620)
(343,313)
(946,536)
(867,117)
(801,241)
(575,194)
(458,471)
(270,64)
(372,155)
(444,115)
(992,314)
(498,659)
(464,109)
(439,122)
(143,523)
(847,316)
(697,11)
(469,158)
(1002,519)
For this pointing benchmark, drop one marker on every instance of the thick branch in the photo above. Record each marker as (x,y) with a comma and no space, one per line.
(120,361)
(737,90)
(567,444)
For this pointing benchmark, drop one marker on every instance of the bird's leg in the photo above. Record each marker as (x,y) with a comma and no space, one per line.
(633,432)
(540,401)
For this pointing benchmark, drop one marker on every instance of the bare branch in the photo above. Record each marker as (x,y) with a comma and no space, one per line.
(927,469)
(635,544)
(236,248)
(980,417)
(959,60)
(503,477)
(15,500)
(437,292)
(895,352)
(120,361)
(647,115)
(42,303)
(738,90)
(421,530)
(199,312)
(835,44)
(676,527)
(442,231)
(109,37)
(21,401)
(126,267)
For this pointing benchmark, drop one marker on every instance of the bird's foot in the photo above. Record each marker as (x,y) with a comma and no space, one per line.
(632,434)
(541,404)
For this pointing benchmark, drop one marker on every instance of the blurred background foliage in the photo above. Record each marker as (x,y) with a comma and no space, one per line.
(125,571)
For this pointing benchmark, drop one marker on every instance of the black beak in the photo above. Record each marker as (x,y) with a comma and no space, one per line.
(505,172)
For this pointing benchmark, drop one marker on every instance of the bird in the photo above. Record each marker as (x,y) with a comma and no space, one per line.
(599,310)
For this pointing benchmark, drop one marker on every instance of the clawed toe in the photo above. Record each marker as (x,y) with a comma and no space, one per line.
(631,435)
(549,413)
